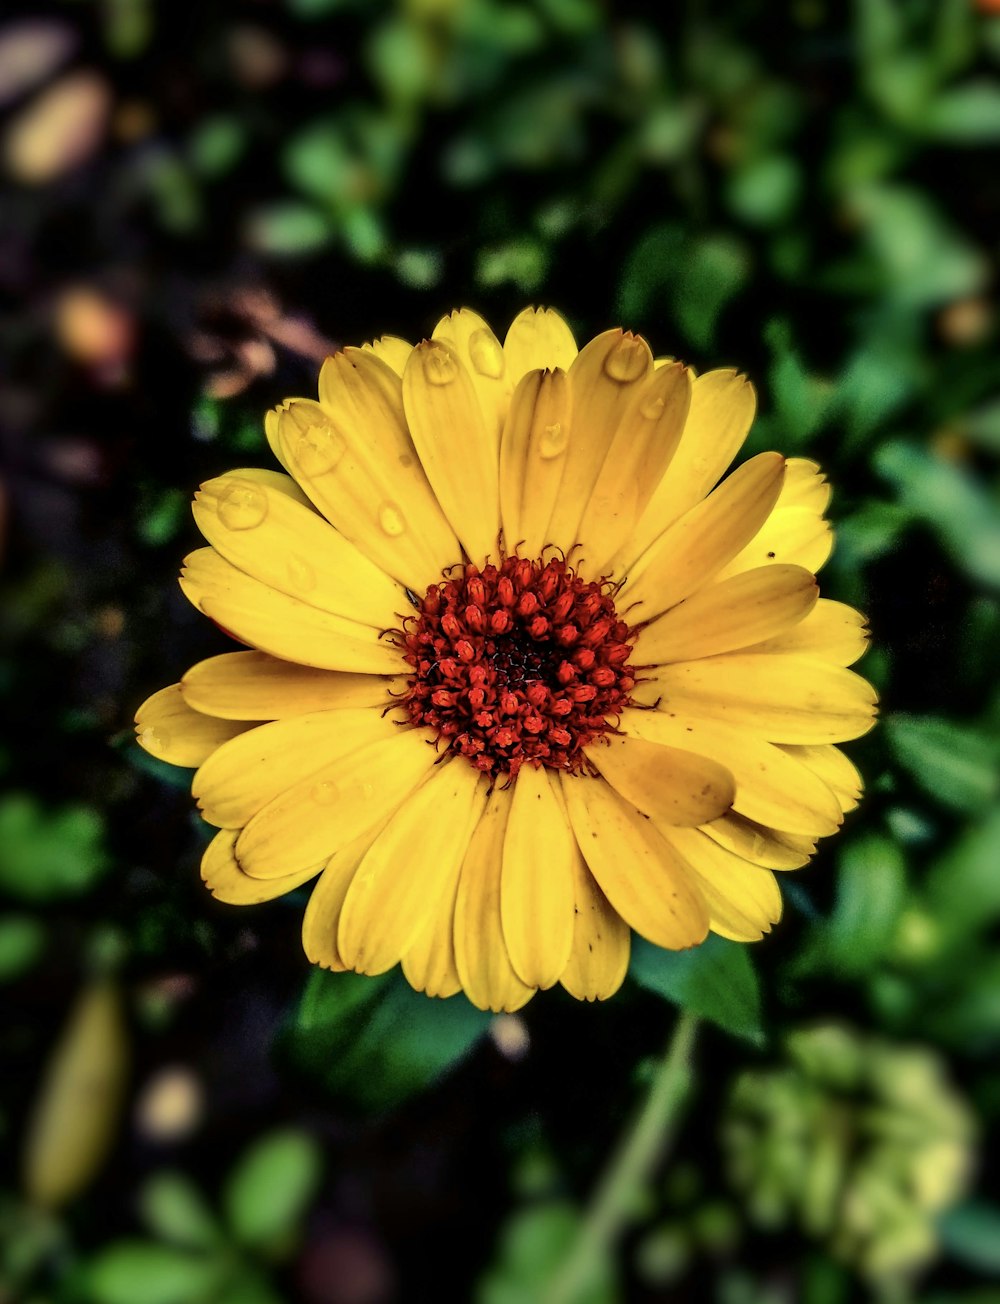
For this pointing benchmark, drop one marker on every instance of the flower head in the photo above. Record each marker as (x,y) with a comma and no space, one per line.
(526,672)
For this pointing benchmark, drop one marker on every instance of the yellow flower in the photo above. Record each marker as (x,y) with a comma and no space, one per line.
(522,678)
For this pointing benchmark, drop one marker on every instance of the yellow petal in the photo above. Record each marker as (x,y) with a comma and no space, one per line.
(785,699)
(407,872)
(255,686)
(532,457)
(335,805)
(391,350)
(354,457)
(743,900)
(831,631)
(663,783)
(429,965)
(698,545)
(487,975)
(536,892)
(722,409)
(221,874)
(793,536)
(243,775)
(640,874)
(168,728)
(271,432)
(458,453)
(604,378)
(282,625)
(733,613)
(538,338)
(291,548)
(640,452)
(322,915)
(275,481)
(833,767)
(805,486)
(484,360)
(771,787)
(769,848)
(599,957)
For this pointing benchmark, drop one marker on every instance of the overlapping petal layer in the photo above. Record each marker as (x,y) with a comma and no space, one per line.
(725,688)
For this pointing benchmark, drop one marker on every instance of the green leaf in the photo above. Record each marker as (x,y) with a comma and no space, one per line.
(982,425)
(923,261)
(269,1190)
(175,1210)
(966,115)
(971,1234)
(948,498)
(532,1245)
(963,886)
(715,980)
(801,400)
(522,262)
(375,1041)
(287,228)
(22,940)
(650,268)
(216,145)
(955,764)
(880,376)
(764,191)
(871,893)
(47,855)
(143,1272)
(319,162)
(712,274)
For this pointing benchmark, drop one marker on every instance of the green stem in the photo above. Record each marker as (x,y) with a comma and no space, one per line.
(615,1199)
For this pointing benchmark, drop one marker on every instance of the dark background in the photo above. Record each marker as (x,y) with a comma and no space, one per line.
(198,202)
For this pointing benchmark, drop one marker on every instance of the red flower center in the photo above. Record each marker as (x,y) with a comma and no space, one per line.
(521,662)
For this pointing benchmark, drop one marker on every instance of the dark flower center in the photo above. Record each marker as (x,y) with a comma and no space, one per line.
(521,662)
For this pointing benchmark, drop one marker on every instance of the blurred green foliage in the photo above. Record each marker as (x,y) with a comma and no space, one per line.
(199,200)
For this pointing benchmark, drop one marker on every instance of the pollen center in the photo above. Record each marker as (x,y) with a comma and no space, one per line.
(521,662)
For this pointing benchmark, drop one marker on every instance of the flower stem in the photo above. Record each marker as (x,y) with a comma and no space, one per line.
(617,1194)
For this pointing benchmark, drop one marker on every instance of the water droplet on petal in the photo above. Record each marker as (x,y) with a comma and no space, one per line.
(628,360)
(652,408)
(301,575)
(324,793)
(553,440)
(440,367)
(391,520)
(486,353)
(406,459)
(242,505)
(316,446)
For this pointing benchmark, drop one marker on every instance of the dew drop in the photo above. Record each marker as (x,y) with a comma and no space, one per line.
(759,845)
(628,360)
(652,408)
(390,519)
(318,447)
(301,575)
(242,505)
(440,367)
(406,459)
(486,353)
(324,793)
(553,440)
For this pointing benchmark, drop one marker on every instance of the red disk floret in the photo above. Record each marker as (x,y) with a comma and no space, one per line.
(519,662)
